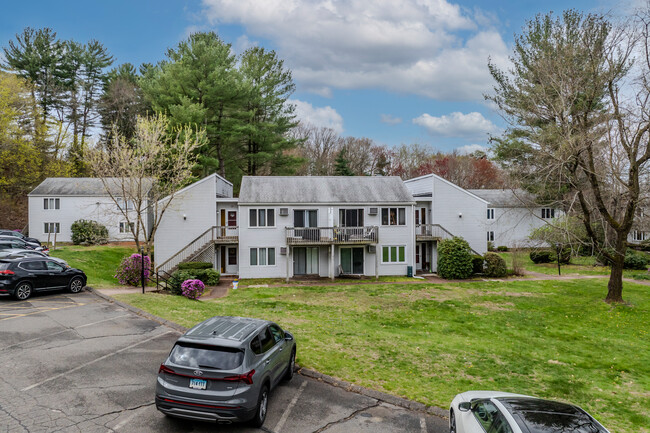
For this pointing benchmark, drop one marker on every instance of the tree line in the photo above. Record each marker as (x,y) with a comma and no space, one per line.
(62,99)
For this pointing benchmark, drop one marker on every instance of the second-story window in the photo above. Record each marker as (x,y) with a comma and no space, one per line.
(125,204)
(490,214)
(548,213)
(305,218)
(261,218)
(393,216)
(351,217)
(51,203)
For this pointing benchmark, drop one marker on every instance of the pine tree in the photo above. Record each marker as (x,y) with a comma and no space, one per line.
(342,167)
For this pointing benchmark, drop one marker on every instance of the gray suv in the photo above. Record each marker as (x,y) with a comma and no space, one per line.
(223,370)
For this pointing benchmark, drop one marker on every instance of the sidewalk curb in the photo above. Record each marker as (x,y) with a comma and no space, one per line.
(377,395)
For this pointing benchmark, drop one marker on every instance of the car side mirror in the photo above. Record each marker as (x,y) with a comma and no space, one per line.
(465,406)
(288,336)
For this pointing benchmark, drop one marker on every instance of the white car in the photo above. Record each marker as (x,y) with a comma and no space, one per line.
(503,412)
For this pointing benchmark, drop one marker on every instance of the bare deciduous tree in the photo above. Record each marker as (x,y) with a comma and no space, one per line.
(142,175)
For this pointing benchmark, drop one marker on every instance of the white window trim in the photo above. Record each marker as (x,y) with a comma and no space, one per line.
(490,213)
(352,247)
(126,224)
(389,262)
(57,228)
(275,255)
(55,200)
(488,236)
(381,210)
(547,211)
(265,218)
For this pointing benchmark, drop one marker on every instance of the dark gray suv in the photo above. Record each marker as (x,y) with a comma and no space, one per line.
(223,370)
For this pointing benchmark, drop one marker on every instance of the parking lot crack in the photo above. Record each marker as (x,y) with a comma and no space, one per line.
(347,418)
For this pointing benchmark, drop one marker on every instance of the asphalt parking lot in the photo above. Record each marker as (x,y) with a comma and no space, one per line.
(78,363)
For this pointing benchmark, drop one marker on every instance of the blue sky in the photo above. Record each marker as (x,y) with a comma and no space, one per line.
(396,71)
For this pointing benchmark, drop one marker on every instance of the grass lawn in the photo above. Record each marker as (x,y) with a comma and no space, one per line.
(427,342)
(99,262)
(578,266)
(245,282)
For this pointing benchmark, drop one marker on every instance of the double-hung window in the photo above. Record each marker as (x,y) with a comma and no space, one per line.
(490,236)
(490,214)
(393,254)
(51,228)
(51,203)
(126,227)
(548,213)
(262,256)
(393,216)
(261,218)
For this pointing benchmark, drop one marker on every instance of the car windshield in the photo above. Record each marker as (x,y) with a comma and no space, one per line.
(196,356)
(542,416)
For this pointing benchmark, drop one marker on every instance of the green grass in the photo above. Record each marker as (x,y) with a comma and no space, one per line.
(245,282)
(98,262)
(578,266)
(427,342)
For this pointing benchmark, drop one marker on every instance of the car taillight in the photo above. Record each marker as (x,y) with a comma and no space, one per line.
(7,272)
(164,369)
(246,378)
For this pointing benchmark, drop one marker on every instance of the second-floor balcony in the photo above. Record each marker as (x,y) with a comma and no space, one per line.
(225,234)
(431,232)
(332,235)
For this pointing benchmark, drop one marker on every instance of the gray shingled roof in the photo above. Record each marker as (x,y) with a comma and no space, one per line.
(323,189)
(80,186)
(505,197)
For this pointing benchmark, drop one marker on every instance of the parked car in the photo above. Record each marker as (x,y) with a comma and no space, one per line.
(503,412)
(23,276)
(223,370)
(6,232)
(15,253)
(32,245)
(9,242)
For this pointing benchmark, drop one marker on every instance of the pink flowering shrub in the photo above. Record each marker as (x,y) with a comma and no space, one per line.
(192,289)
(130,270)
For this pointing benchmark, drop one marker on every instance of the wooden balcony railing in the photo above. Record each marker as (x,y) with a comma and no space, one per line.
(332,235)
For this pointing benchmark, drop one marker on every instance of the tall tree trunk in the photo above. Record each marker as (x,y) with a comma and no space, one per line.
(615,284)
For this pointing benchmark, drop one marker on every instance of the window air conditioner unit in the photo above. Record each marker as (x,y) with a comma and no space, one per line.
(284,211)
(372,249)
(373,211)
(283,251)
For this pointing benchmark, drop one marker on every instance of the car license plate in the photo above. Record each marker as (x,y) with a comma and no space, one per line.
(198,383)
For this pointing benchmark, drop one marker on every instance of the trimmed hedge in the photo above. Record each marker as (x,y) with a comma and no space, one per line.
(502,248)
(543,256)
(209,277)
(454,259)
(495,266)
(478,264)
(87,232)
(195,265)
(638,261)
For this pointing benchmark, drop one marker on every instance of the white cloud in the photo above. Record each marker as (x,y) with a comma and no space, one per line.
(470,125)
(471,148)
(425,47)
(390,119)
(318,116)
